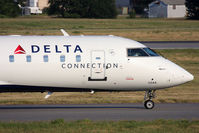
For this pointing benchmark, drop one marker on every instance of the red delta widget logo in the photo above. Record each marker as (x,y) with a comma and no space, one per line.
(49,48)
(19,50)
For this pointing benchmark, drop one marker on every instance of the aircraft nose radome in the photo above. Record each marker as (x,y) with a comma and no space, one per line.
(186,77)
(181,77)
(189,77)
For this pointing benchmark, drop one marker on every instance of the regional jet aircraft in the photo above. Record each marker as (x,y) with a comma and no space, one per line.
(85,63)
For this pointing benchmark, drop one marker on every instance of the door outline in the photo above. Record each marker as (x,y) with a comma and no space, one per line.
(91,78)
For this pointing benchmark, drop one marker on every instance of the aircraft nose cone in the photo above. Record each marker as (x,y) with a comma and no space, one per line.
(178,74)
(185,77)
(182,77)
(188,77)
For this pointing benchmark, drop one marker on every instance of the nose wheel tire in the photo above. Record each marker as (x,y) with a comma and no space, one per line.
(149,104)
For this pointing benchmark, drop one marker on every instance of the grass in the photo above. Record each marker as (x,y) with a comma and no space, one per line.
(137,29)
(60,126)
(187,93)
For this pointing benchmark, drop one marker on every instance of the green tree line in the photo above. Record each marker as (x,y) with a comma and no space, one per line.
(192,9)
(9,8)
(83,8)
(87,8)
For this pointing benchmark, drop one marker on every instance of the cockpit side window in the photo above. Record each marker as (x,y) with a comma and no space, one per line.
(136,52)
(150,52)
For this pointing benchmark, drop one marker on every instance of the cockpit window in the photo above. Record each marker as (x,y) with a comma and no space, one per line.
(134,52)
(150,52)
(137,52)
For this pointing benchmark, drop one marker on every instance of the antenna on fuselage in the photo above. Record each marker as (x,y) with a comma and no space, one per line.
(64,32)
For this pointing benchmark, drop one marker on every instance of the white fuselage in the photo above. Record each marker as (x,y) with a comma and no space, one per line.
(87,62)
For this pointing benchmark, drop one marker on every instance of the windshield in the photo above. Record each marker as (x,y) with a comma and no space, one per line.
(150,52)
(135,52)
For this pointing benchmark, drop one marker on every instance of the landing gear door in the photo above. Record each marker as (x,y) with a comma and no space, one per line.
(97,66)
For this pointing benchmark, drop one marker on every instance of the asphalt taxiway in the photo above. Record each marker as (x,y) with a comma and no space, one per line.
(172,44)
(110,112)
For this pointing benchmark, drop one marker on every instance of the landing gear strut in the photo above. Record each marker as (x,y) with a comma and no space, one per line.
(149,95)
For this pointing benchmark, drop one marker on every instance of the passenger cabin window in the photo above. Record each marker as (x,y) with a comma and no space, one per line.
(136,52)
(62,58)
(45,58)
(28,58)
(11,58)
(78,58)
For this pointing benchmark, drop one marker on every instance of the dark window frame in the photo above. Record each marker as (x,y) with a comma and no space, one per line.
(136,56)
(148,55)
(151,52)
(174,7)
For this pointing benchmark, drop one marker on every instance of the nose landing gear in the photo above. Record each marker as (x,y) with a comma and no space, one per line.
(149,95)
